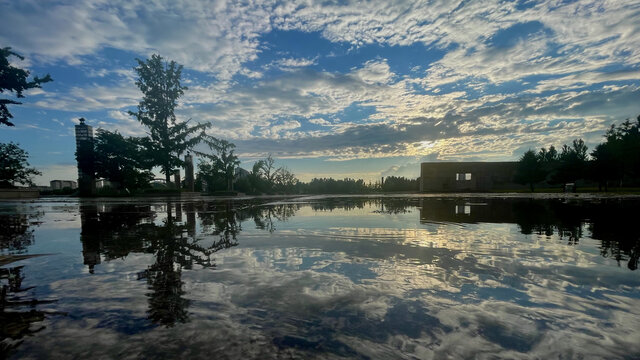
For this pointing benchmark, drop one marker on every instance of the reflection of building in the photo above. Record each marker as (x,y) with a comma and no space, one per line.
(61,184)
(467,211)
(84,155)
(467,176)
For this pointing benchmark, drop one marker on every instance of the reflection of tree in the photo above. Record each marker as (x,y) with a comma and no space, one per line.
(348,204)
(224,219)
(390,206)
(175,250)
(547,218)
(610,221)
(221,220)
(16,230)
(111,231)
(14,323)
(265,218)
(16,234)
(166,304)
(614,223)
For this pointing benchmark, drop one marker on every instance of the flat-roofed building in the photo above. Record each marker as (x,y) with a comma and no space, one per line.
(61,184)
(467,176)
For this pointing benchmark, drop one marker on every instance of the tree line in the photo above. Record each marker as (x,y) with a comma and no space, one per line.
(14,166)
(614,162)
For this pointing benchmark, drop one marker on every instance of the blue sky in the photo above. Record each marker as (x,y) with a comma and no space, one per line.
(334,88)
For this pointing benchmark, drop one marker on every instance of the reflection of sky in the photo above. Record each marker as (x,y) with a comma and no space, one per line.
(350,283)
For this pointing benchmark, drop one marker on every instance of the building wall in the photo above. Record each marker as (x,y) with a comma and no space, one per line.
(485,176)
(61,184)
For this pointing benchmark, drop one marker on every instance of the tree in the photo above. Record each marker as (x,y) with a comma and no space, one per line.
(268,169)
(549,162)
(14,167)
(625,143)
(226,160)
(572,163)
(257,183)
(160,84)
(210,173)
(14,80)
(122,160)
(223,163)
(284,180)
(605,166)
(529,170)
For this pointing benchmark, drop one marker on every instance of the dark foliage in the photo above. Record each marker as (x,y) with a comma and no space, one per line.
(394,183)
(14,80)
(14,167)
(124,161)
(169,138)
(530,169)
(615,162)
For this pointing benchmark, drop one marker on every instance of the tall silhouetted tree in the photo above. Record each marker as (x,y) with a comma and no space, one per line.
(572,163)
(529,170)
(14,167)
(14,80)
(623,144)
(160,84)
(606,166)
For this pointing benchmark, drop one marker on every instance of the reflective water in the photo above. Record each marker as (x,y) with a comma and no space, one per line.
(341,277)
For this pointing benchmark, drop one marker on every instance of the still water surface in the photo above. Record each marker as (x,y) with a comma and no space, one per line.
(321,277)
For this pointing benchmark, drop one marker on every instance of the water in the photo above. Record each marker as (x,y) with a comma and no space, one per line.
(321,277)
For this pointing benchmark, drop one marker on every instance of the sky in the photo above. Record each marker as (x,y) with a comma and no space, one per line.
(343,88)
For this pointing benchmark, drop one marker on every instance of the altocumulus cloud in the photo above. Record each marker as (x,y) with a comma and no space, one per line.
(346,80)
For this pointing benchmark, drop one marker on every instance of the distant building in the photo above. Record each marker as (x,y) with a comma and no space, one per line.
(241,173)
(101,183)
(467,176)
(61,184)
(85,157)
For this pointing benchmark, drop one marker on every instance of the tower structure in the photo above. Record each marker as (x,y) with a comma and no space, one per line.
(188,172)
(85,157)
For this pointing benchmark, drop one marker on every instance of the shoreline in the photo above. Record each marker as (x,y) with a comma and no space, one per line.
(308,197)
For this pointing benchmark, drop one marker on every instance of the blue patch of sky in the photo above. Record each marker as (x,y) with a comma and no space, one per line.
(526,4)
(67,76)
(356,113)
(278,44)
(561,3)
(509,37)
(49,142)
(339,57)
(507,87)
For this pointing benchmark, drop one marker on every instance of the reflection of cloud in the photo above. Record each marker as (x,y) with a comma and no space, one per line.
(348,281)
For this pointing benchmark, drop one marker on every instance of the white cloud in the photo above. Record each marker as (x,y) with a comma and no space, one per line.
(92,97)
(562,47)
